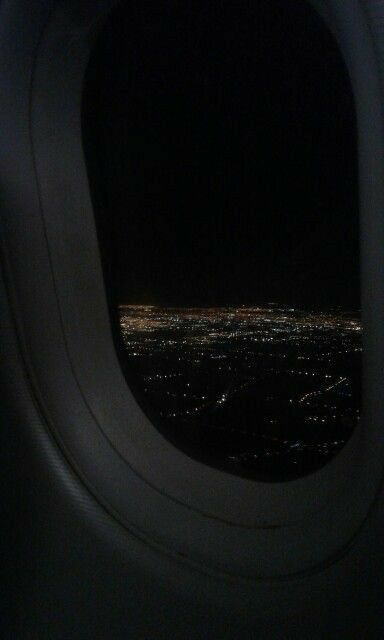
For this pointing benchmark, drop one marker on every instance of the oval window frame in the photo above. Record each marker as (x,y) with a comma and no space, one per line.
(151,487)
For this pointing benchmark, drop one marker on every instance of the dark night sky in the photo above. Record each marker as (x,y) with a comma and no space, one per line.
(220,139)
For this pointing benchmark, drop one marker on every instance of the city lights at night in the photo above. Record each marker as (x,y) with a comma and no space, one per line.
(272,388)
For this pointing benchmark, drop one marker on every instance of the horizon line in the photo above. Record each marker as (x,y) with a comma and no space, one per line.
(285,306)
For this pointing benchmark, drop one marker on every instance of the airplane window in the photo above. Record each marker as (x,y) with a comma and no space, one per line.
(220,141)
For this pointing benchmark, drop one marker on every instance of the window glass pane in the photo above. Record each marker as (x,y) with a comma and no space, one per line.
(221,148)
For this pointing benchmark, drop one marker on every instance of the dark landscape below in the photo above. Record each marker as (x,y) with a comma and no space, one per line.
(271,393)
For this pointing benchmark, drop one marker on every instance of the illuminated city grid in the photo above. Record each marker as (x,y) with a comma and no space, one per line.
(261,390)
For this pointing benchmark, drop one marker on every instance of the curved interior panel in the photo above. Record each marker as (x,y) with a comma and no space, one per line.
(193,514)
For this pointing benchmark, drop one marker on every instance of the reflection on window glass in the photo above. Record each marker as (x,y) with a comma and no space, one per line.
(221,150)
